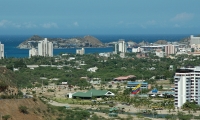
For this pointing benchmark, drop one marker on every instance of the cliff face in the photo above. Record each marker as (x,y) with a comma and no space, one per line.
(87,41)
(30,42)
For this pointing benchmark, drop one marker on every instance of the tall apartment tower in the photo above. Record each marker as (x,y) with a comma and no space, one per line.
(170,49)
(45,48)
(122,46)
(1,51)
(187,85)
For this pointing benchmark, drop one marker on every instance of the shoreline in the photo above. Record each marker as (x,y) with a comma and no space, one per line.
(70,48)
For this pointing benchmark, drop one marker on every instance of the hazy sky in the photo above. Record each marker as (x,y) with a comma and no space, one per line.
(89,17)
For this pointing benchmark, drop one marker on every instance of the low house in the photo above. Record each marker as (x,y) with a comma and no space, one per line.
(144,85)
(124,78)
(92,93)
(93,69)
(32,66)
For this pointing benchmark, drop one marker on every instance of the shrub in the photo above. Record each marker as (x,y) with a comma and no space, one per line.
(23,109)
(6,117)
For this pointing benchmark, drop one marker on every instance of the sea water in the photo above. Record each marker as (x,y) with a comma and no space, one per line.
(12,41)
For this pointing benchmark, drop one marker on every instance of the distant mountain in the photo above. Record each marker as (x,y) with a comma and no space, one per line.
(161,42)
(87,41)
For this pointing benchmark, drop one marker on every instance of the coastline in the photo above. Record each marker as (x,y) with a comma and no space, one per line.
(69,47)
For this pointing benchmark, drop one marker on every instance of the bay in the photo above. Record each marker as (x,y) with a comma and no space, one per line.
(12,41)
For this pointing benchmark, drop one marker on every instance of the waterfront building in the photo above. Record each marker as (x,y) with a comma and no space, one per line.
(45,48)
(80,51)
(120,46)
(1,51)
(194,40)
(170,49)
(187,85)
(33,52)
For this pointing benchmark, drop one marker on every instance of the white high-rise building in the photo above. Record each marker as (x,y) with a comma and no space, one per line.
(45,48)
(187,85)
(80,51)
(33,52)
(122,46)
(1,51)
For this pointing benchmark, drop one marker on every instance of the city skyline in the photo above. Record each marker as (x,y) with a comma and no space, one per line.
(99,17)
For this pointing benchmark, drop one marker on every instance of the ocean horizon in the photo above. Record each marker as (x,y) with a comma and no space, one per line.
(12,41)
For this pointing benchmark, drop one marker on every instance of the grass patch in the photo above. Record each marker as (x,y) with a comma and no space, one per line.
(71,101)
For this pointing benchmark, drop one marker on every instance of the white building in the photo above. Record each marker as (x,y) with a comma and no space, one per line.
(1,51)
(93,69)
(122,46)
(135,50)
(45,48)
(194,40)
(187,85)
(160,53)
(80,51)
(104,54)
(33,52)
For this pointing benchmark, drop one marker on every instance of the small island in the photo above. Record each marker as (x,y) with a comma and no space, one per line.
(77,42)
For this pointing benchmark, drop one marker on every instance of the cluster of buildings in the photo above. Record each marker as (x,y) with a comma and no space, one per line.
(160,50)
(45,48)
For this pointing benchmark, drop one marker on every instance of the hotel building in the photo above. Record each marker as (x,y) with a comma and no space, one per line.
(187,85)
(45,48)
(1,51)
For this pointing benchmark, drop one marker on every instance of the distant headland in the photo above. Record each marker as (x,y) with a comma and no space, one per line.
(82,42)
(77,42)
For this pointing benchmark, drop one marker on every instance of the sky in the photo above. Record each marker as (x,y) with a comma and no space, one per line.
(102,17)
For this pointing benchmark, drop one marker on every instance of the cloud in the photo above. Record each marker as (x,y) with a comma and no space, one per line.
(143,26)
(151,22)
(3,23)
(182,17)
(50,25)
(29,25)
(120,22)
(76,24)
(177,25)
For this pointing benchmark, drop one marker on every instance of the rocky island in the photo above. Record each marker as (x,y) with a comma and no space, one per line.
(86,41)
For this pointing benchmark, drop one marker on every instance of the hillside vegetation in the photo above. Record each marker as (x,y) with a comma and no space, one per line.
(36,110)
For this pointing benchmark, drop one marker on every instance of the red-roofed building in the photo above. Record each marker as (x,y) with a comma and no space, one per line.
(125,78)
